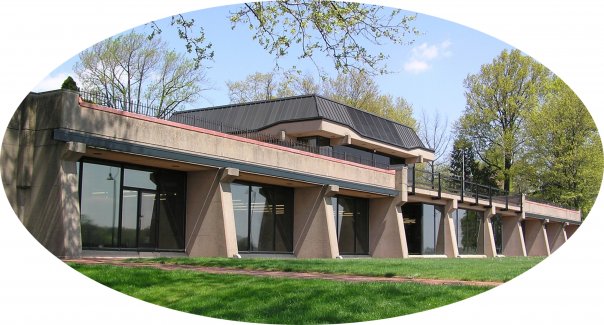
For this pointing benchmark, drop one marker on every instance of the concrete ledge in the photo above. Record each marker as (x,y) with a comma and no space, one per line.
(128,254)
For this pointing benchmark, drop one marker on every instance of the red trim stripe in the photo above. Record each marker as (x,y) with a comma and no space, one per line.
(224,135)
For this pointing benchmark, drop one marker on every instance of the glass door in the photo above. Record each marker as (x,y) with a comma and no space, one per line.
(138,218)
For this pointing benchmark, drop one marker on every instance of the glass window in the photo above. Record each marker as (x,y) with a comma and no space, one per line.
(99,212)
(146,212)
(351,217)
(139,179)
(263,217)
(468,231)
(422,228)
(497,233)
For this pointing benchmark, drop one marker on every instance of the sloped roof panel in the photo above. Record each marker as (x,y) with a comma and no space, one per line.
(262,114)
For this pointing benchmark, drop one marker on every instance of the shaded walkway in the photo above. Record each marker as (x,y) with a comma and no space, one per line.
(279,274)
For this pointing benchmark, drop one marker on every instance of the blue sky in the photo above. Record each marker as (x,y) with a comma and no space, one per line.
(429,73)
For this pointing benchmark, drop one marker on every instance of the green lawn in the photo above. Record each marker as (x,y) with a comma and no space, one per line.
(483,269)
(286,301)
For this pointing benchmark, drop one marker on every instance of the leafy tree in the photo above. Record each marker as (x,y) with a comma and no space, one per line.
(565,150)
(133,73)
(498,100)
(463,162)
(70,84)
(432,130)
(359,90)
(337,30)
(356,89)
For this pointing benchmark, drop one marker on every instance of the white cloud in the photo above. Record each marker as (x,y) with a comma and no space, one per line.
(422,55)
(416,66)
(52,82)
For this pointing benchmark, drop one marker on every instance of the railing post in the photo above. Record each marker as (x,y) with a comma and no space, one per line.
(463,185)
(476,192)
(507,198)
(439,187)
(413,179)
(490,197)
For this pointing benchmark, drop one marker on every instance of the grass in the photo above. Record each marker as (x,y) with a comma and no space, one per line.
(276,300)
(484,269)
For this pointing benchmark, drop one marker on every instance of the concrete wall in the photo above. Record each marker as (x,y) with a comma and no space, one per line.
(535,238)
(512,236)
(556,235)
(210,221)
(162,134)
(314,225)
(545,210)
(39,174)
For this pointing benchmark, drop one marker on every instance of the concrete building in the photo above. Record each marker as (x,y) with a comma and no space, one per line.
(302,176)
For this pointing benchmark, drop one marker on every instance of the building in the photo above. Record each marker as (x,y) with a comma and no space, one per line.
(301,176)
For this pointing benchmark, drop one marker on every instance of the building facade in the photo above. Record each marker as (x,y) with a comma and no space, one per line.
(302,176)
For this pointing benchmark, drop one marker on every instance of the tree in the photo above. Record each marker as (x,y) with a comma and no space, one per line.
(498,100)
(137,75)
(70,84)
(359,90)
(432,130)
(355,89)
(566,150)
(338,30)
(463,163)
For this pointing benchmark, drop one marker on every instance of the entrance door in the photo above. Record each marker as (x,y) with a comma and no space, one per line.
(138,218)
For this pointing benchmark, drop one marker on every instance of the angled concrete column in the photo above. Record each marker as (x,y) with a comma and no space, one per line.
(535,237)
(570,230)
(210,217)
(446,231)
(314,225)
(556,235)
(486,240)
(386,230)
(512,236)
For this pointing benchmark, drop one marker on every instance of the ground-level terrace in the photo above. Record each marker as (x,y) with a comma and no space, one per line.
(86,179)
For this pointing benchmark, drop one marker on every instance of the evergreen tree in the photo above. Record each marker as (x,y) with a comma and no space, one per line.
(70,84)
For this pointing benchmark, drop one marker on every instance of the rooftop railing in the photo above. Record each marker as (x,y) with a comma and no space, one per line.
(419,178)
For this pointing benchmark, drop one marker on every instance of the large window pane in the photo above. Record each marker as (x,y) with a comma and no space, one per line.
(352,225)
(497,233)
(240,194)
(99,205)
(422,228)
(263,217)
(129,218)
(172,204)
(468,230)
(346,222)
(145,210)
(361,226)
(262,223)
(147,220)
(139,179)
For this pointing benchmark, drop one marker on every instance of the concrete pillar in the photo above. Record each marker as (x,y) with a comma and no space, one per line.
(535,237)
(210,217)
(314,226)
(486,239)
(570,230)
(386,229)
(556,236)
(70,198)
(512,236)
(447,228)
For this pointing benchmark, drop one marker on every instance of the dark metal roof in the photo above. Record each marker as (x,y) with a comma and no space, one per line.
(263,114)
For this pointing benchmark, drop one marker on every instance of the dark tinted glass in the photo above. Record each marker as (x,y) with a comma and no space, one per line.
(240,195)
(99,214)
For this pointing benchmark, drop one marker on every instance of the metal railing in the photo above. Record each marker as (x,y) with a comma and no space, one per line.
(443,182)
(117,103)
